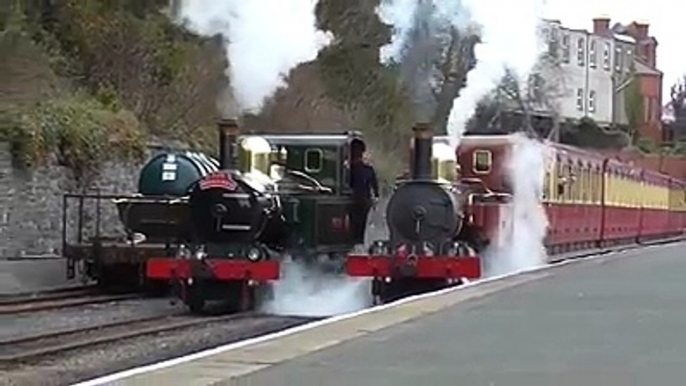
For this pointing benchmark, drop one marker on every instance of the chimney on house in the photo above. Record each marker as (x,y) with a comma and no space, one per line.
(642,30)
(646,45)
(650,50)
(601,26)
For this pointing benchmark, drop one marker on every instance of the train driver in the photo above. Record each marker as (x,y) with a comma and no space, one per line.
(365,189)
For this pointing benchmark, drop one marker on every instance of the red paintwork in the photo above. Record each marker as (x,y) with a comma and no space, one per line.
(573,223)
(222,269)
(574,226)
(571,226)
(486,215)
(427,267)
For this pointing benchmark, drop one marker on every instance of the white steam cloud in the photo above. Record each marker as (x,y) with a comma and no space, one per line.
(521,236)
(508,31)
(306,291)
(264,40)
(509,38)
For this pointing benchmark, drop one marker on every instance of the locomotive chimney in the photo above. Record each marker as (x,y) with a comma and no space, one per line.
(421,156)
(228,138)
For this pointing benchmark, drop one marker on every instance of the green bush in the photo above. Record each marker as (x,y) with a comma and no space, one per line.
(79,133)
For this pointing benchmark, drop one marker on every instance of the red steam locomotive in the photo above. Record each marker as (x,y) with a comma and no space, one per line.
(440,230)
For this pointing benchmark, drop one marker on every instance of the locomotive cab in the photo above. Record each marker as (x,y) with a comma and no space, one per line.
(311,174)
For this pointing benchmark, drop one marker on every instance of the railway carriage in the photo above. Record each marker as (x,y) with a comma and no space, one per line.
(591,201)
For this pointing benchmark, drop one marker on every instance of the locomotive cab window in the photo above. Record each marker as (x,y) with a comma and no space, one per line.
(314,159)
(483,161)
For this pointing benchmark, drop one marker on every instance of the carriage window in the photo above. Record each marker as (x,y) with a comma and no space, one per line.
(483,160)
(546,186)
(569,184)
(559,182)
(313,160)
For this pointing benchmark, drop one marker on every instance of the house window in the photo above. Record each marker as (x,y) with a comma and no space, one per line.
(565,48)
(606,56)
(535,87)
(618,58)
(580,51)
(580,99)
(591,101)
(593,59)
(629,60)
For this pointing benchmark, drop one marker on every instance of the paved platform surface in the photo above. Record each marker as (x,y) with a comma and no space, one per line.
(611,321)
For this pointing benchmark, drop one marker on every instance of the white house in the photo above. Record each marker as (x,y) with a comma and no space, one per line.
(593,69)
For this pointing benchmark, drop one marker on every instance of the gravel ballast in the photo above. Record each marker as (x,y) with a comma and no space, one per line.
(92,362)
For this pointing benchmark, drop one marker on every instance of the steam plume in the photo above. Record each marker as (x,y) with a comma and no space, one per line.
(264,40)
(507,40)
(520,244)
(306,291)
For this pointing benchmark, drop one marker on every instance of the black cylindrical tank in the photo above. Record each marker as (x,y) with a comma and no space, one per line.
(173,173)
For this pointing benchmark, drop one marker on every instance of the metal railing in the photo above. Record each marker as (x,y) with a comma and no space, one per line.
(89,234)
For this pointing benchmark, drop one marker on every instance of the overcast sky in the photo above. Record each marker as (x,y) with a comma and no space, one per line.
(667,20)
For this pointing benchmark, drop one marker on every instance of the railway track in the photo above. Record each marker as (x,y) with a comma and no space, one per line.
(29,348)
(54,299)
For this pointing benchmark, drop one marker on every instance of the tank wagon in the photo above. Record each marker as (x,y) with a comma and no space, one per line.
(153,221)
(274,196)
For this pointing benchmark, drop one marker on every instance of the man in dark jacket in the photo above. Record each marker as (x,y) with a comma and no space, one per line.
(365,190)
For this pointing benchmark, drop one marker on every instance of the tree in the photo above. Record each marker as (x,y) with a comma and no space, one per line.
(434,62)
(633,105)
(121,70)
(587,134)
(515,104)
(353,78)
(456,62)
(678,102)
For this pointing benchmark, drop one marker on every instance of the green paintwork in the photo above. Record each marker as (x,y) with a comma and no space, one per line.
(172,174)
(317,220)
(335,150)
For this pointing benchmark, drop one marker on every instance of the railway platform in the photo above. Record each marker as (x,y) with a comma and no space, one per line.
(612,320)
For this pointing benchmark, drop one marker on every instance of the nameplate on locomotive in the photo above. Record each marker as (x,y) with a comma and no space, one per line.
(218,180)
